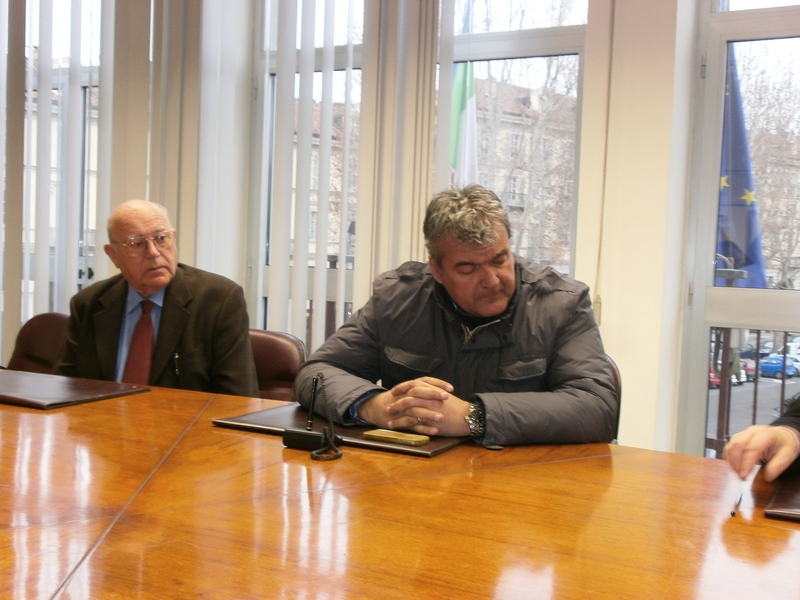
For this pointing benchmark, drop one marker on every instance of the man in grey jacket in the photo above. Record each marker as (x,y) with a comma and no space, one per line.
(475,342)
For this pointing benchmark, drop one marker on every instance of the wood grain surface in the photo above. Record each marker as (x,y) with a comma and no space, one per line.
(142,497)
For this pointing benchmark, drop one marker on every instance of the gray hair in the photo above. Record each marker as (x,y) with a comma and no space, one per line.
(468,215)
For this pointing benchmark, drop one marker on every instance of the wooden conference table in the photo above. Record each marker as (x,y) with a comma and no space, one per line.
(141,497)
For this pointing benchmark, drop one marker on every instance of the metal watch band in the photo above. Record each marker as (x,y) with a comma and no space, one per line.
(476,419)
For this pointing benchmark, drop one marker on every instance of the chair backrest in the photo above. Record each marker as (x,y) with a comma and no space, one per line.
(278,357)
(617,390)
(40,343)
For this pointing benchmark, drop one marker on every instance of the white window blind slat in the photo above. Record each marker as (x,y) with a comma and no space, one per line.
(324,185)
(44,117)
(283,168)
(305,121)
(104,138)
(70,198)
(311,167)
(344,226)
(446,42)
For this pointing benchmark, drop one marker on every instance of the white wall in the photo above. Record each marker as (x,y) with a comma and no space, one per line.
(643,197)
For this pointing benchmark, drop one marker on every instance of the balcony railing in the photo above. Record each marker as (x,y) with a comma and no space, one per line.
(749,385)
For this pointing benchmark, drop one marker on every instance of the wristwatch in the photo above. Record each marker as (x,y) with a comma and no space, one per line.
(476,419)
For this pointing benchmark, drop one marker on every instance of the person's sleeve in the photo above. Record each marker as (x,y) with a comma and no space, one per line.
(233,370)
(791,418)
(348,366)
(68,364)
(580,405)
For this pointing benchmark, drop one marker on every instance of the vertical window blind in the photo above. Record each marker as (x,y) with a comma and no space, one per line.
(59,185)
(310,238)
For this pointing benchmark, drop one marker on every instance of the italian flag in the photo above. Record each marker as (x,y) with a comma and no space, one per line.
(463,123)
(463,129)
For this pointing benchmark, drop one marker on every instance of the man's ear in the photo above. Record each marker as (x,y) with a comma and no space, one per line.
(436,271)
(111,252)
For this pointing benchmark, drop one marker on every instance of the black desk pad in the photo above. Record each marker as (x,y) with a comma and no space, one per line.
(37,390)
(293,416)
(785,501)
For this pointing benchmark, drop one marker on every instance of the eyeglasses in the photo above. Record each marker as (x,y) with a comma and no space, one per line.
(136,245)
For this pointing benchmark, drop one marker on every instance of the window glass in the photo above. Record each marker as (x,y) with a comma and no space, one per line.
(343,163)
(515,15)
(72,190)
(340,18)
(526,113)
(87,233)
(60,38)
(725,5)
(758,241)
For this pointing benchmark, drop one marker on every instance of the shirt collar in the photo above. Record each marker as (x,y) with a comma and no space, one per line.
(135,298)
(469,320)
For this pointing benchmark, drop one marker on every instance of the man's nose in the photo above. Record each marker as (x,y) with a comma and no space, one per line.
(489,276)
(152,249)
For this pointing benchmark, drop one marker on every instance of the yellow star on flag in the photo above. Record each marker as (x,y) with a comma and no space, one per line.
(723,182)
(749,196)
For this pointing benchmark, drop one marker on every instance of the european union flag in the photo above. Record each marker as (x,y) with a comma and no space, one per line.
(739,231)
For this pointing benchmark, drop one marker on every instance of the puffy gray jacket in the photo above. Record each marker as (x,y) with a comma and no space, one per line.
(539,369)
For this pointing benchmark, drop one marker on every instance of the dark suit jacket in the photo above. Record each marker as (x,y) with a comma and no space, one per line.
(204,321)
(791,417)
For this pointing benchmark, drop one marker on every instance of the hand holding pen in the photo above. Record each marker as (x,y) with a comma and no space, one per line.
(736,504)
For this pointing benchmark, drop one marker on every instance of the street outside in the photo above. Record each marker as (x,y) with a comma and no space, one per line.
(741,412)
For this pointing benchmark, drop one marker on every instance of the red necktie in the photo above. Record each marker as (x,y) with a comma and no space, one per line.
(140,353)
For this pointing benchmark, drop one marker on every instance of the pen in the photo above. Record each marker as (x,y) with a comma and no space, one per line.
(311,403)
(736,505)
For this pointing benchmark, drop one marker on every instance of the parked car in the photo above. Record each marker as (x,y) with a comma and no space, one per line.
(792,349)
(750,351)
(737,377)
(713,380)
(740,376)
(749,368)
(772,366)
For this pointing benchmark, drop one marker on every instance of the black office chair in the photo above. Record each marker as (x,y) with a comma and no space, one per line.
(278,357)
(615,376)
(40,344)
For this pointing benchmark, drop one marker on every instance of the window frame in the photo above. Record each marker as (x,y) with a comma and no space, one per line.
(529,43)
(710,306)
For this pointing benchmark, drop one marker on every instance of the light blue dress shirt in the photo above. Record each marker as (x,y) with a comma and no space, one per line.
(133,310)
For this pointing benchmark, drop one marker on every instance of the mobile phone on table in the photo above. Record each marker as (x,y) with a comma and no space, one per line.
(396,437)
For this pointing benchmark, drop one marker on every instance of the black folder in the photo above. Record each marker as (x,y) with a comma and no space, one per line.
(293,416)
(785,501)
(37,390)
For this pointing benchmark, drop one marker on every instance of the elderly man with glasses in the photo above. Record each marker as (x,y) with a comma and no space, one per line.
(159,322)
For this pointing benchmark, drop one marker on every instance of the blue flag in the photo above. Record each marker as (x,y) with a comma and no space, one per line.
(739,231)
